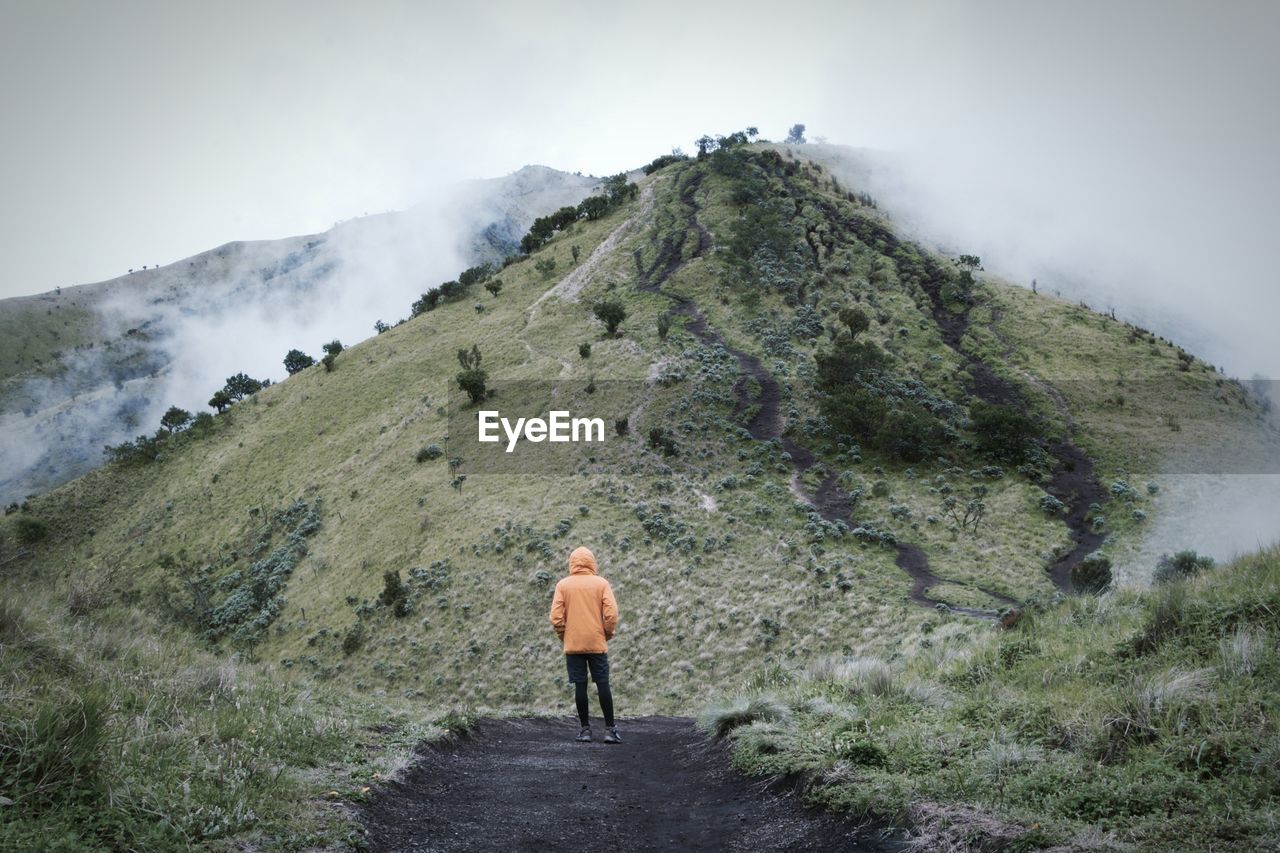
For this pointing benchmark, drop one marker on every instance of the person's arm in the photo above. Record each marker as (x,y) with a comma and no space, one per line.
(557,612)
(609,612)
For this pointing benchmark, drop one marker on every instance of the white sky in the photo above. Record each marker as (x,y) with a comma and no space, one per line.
(1134,143)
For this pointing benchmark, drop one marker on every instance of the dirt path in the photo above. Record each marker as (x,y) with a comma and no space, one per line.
(526,785)
(572,284)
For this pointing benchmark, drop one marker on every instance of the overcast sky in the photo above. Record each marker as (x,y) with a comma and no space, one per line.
(1135,143)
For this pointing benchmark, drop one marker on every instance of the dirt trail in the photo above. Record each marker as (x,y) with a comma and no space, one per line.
(1072,481)
(572,284)
(527,785)
(831,502)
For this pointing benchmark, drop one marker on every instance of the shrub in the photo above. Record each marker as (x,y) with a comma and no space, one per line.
(1002,431)
(30,530)
(296,360)
(857,749)
(240,386)
(494,286)
(856,319)
(429,453)
(660,439)
(1092,574)
(664,326)
(663,161)
(395,594)
(1051,505)
(1183,564)
(353,639)
(219,401)
(427,302)
(328,362)
(473,378)
(545,266)
(584,350)
(910,433)
(723,719)
(1123,490)
(334,347)
(611,312)
(855,675)
(175,419)
(471,275)
(621,427)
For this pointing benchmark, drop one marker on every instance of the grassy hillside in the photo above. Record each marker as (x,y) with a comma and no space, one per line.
(1142,719)
(118,734)
(781,532)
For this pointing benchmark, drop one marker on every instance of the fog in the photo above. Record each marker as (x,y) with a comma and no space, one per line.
(172,336)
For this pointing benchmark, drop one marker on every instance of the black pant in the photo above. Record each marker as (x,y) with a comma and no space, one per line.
(598,664)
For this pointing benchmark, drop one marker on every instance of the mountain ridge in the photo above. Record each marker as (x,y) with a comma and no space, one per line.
(337,529)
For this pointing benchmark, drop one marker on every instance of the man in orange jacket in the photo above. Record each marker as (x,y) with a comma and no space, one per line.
(584,615)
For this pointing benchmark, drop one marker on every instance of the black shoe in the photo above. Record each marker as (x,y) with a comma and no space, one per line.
(584,736)
(612,736)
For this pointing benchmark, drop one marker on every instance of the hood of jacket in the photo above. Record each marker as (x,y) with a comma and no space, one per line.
(582,562)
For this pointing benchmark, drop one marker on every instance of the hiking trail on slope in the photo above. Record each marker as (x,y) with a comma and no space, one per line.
(525,784)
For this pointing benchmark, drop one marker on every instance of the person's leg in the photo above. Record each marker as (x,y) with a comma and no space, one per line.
(580,699)
(600,675)
(606,702)
(577,666)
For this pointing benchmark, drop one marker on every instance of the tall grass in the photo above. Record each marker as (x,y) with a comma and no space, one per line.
(1143,719)
(112,738)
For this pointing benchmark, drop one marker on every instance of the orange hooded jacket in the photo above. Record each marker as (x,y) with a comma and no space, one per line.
(583,611)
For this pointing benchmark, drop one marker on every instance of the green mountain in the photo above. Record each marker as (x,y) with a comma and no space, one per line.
(91,365)
(822,440)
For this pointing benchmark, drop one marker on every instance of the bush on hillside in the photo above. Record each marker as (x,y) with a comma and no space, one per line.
(474,275)
(473,378)
(611,312)
(721,720)
(242,385)
(856,319)
(29,530)
(1183,564)
(660,439)
(296,360)
(353,639)
(1004,432)
(1092,574)
(395,595)
(175,419)
(663,161)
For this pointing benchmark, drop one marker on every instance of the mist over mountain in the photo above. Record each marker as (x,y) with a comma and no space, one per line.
(97,364)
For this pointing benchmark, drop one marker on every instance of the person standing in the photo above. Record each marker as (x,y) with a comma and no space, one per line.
(584,615)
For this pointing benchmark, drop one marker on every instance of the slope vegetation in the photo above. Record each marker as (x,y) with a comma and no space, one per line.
(1135,719)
